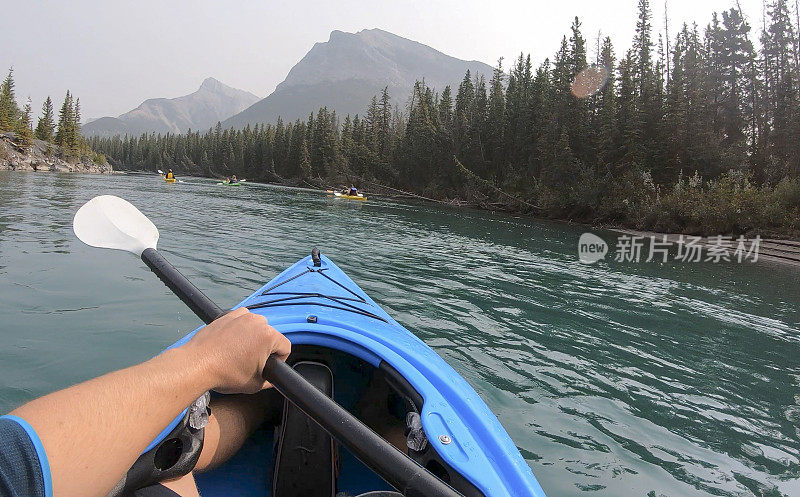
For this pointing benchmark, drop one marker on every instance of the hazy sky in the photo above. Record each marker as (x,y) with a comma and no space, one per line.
(115,54)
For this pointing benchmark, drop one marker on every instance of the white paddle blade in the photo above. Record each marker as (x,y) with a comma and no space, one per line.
(111,222)
(160,172)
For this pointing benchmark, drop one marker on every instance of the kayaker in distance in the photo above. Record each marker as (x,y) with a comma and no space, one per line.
(80,441)
(233,179)
(170,175)
(353,191)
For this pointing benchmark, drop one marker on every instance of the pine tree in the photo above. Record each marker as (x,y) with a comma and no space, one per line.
(9,111)
(347,138)
(628,117)
(304,160)
(382,130)
(46,125)
(607,134)
(642,48)
(562,98)
(577,108)
(23,128)
(461,118)
(495,139)
(66,123)
(475,154)
(421,156)
(522,113)
(701,149)
(281,146)
(736,54)
(76,116)
(781,86)
(445,110)
(647,94)
(533,134)
(372,120)
(677,107)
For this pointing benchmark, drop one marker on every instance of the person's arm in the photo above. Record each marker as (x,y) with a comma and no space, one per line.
(93,432)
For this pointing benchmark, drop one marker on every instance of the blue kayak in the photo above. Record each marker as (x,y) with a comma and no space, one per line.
(353,351)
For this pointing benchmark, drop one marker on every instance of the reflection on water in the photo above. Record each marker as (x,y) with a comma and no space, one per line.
(648,379)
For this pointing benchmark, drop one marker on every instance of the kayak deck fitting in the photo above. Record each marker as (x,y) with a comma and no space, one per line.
(353,351)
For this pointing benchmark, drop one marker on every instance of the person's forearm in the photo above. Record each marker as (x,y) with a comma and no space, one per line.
(94,431)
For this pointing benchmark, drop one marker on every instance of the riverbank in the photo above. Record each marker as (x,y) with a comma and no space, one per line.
(728,206)
(780,248)
(44,156)
(732,216)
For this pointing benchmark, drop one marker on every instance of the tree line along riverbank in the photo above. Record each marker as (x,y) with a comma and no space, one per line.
(696,133)
(50,146)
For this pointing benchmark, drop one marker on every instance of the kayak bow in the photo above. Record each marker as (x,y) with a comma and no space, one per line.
(304,450)
(339,334)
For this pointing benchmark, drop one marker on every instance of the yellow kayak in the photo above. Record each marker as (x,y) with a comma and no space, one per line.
(169,180)
(349,197)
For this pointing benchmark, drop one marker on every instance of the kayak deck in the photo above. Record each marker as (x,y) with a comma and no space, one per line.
(329,319)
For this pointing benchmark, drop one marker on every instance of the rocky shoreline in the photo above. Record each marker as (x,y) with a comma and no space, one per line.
(44,156)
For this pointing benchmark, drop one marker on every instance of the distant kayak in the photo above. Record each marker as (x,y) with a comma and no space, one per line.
(349,197)
(164,176)
(228,183)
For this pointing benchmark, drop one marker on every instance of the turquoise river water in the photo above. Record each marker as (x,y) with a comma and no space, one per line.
(613,379)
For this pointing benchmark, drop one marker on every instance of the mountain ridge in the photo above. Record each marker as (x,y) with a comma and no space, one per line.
(346,71)
(212,102)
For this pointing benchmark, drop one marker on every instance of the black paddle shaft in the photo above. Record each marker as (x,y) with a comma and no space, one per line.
(396,468)
(180,285)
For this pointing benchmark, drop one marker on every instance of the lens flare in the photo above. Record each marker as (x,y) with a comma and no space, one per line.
(589,81)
